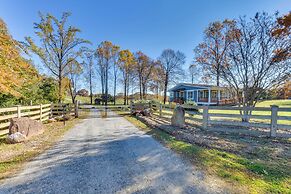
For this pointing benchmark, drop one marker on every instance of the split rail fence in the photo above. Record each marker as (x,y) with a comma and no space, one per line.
(40,112)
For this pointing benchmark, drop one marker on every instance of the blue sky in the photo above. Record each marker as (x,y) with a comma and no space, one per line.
(146,25)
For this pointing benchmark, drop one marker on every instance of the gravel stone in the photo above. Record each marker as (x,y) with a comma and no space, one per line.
(108,155)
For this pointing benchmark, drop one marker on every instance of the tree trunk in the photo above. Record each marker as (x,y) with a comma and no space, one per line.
(165,89)
(217,84)
(106,86)
(91,92)
(71,92)
(125,89)
(114,90)
(91,98)
(158,91)
(140,88)
(60,89)
(144,91)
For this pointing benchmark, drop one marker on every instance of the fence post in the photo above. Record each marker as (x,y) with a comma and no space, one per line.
(274,119)
(76,109)
(52,106)
(40,112)
(161,109)
(205,117)
(18,111)
(131,107)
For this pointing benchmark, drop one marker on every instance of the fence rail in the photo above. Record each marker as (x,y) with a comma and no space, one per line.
(40,112)
(272,118)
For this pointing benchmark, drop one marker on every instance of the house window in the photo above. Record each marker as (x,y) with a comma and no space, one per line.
(181,94)
(171,94)
(214,94)
(203,94)
(190,95)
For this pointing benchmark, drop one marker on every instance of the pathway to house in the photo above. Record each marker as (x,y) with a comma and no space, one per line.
(108,155)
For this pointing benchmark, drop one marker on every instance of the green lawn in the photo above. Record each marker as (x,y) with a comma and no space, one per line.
(82,99)
(268,103)
(280,103)
(87,100)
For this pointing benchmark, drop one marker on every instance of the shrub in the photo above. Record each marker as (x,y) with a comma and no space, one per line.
(190,103)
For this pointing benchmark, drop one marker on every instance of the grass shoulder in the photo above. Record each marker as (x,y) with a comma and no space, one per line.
(255,176)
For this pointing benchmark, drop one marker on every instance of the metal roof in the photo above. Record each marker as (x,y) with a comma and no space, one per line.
(206,86)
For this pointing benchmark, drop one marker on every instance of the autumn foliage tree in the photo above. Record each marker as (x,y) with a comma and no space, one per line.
(126,64)
(211,53)
(16,73)
(283,31)
(59,45)
(156,83)
(144,68)
(105,53)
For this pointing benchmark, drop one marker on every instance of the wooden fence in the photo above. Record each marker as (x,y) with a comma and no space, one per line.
(271,118)
(139,106)
(40,112)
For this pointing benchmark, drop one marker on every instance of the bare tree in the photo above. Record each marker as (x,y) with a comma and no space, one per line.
(74,69)
(193,70)
(106,52)
(172,63)
(115,56)
(89,71)
(252,61)
(59,45)
(157,79)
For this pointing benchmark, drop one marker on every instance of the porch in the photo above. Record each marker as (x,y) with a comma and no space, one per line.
(202,96)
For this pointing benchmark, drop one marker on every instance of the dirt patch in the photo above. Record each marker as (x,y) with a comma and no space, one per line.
(250,146)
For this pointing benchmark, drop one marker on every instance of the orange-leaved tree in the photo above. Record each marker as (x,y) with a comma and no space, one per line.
(126,64)
(15,71)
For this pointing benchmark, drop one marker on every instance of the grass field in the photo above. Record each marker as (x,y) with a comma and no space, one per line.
(242,174)
(268,103)
(87,100)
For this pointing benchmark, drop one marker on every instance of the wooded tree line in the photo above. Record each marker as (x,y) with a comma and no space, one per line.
(136,70)
(251,56)
(68,58)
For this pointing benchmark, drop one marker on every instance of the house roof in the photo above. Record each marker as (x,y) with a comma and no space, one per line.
(198,86)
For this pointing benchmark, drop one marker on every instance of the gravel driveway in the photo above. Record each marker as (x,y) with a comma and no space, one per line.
(108,155)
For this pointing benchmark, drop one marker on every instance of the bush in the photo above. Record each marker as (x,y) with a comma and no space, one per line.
(190,103)
(191,106)
(142,101)
(147,101)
